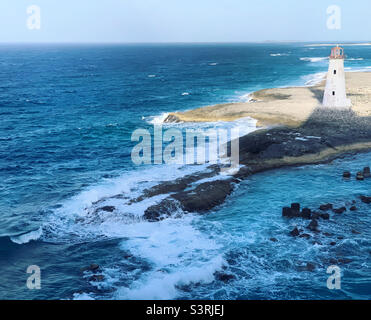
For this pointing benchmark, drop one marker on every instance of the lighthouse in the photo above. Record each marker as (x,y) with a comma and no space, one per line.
(335,92)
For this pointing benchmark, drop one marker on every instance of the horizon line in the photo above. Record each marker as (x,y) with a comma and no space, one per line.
(185,42)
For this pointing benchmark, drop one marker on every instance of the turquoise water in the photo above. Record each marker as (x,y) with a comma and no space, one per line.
(67,114)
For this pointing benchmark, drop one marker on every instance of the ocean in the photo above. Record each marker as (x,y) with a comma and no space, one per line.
(67,116)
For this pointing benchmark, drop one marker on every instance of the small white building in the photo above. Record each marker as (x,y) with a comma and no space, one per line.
(335,95)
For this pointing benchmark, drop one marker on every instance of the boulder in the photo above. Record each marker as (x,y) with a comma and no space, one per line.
(353,208)
(325,207)
(92,267)
(344,260)
(313,225)
(295,232)
(360,176)
(366,172)
(365,199)
(108,208)
(290,213)
(306,213)
(347,174)
(225,277)
(316,215)
(96,278)
(305,235)
(287,212)
(340,210)
(355,232)
(310,266)
(307,267)
(295,206)
(333,243)
(325,216)
(273,239)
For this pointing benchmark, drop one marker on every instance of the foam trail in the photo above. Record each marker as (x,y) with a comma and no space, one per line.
(27,237)
(179,253)
(314,59)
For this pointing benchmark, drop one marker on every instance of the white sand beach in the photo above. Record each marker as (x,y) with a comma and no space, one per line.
(289,106)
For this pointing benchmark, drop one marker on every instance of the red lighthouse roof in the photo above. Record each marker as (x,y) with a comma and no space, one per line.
(337,53)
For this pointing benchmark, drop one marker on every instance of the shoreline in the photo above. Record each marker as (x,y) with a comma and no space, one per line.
(290,106)
(337,133)
(296,132)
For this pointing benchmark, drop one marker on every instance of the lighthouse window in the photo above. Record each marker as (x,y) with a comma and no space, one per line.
(333,93)
(334,71)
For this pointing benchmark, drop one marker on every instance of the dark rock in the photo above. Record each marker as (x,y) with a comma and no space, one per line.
(313,225)
(308,267)
(340,237)
(273,239)
(96,278)
(366,172)
(291,212)
(365,199)
(92,267)
(340,210)
(325,216)
(225,277)
(347,174)
(304,235)
(344,260)
(295,232)
(355,232)
(325,207)
(108,208)
(332,243)
(287,212)
(327,234)
(360,176)
(160,211)
(205,196)
(171,118)
(353,208)
(315,215)
(306,213)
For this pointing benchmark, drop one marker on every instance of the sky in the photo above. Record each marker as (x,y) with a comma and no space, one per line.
(106,21)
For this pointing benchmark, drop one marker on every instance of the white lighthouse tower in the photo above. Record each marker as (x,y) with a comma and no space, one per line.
(335,92)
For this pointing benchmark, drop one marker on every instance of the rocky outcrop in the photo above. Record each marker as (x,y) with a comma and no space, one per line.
(325,135)
(172,118)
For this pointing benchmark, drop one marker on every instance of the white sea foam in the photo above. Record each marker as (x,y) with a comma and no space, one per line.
(314,59)
(185,94)
(82,296)
(358,69)
(314,79)
(213,64)
(279,54)
(180,255)
(247,97)
(159,119)
(27,237)
(355,59)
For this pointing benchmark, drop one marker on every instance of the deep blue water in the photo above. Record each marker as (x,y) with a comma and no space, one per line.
(67,115)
